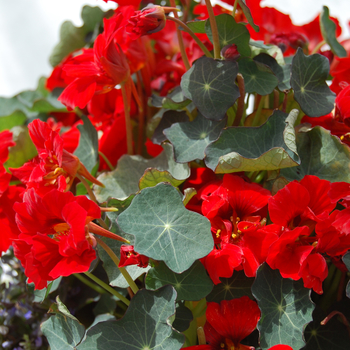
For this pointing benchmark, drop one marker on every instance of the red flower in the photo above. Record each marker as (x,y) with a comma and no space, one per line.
(228,323)
(54,167)
(150,19)
(129,257)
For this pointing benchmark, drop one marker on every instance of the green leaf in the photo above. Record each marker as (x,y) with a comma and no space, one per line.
(115,277)
(41,294)
(165,230)
(257,77)
(152,177)
(210,84)
(282,72)
(74,38)
(230,33)
(183,318)
(124,180)
(191,138)
(62,332)
(197,26)
(168,119)
(87,150)
(105,305)
(173,101)
(308,80)
(333,335)
(321,154)
(274,51)
(267,147)
(23,151)
(234,287)
(248,14)
(188,194)
(328,30)
(143,327)
(285,308)
(193,284)
(346,261)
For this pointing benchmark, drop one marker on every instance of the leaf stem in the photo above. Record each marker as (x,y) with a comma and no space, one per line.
(214,29)
(127,120)
(255,121)
(193,35)
(240,102)
(318,47)
(234,8)
(108,288)
(106,160)
(116,261)
(276,99)
(141,114)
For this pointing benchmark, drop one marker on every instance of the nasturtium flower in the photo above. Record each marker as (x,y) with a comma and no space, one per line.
(128,256)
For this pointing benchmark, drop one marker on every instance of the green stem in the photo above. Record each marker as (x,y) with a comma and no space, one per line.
(234,8)
(193,35)
(108,288)
(93,286)
(255,121)
(260,176)
(180,40)
(127,120)
(214,29)
(116,261)
(318,46)
(240,102)
(106,160)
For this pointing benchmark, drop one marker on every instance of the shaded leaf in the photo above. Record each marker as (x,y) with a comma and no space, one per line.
(197,26)
(274,51)
(124,180)
(308,80)
(188,194)
(193,284)
(257,77)
(267,147)
(183,318)
(41,294)
(191,138)
(285,308)
(144,325)
(230,32)
(234,287)
(105,305)
(152,177)
(321,154)
(73,38)
(282,72)
(346,261)
(210,84)
(333,335)
(248,14)
(165,230)
(168,119)
(174,101)
(328,30)
(87,150)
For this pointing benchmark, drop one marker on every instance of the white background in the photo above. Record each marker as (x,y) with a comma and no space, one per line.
(29,29)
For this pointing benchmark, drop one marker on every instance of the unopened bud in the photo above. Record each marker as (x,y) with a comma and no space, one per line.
(230,52)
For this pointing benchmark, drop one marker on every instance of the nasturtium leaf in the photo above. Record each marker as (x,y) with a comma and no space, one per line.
(74,38)
(333,335)
(248,14)
(175,100)
(258,47)
(165,230)
(328,30)
(124,180)
(285,308)
(191,138)
(87,150)
(210,84)
(188,194)
(267,147)
(193,284)
(41,294)
(116,279)
(234,287)
(63,332)
(308,80)
(257,76)
(282,72)
(321,154)
(230,32)
(143,327)
(152,177)
(105,305)
(168,119)
(346,261)
(197,26)
(183,318)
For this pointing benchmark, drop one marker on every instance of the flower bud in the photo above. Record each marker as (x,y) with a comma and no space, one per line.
(230,52)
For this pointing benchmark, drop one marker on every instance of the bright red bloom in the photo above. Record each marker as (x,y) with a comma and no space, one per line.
(54,167)
(228,323)
(54,240)
(6,141)
(128,256)
(150,19)
(340,71)
(153,149)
